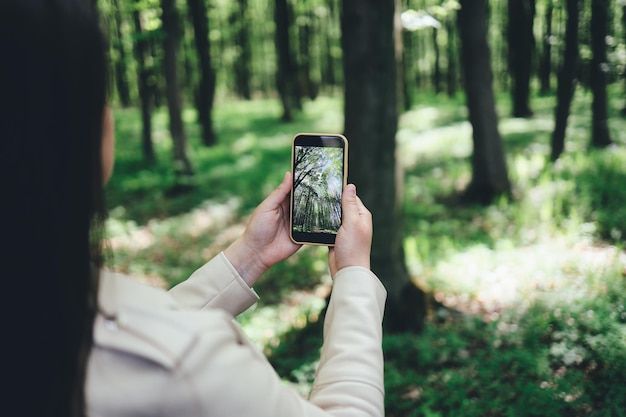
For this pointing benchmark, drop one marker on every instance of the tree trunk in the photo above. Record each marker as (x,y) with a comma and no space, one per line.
(145,90)
(451,51)
(242,64)
(287,73)
(309,87)
(489,171)
(624,70)
(521,42)
(371,122)
(405,69)
(400,37)
(182,165)
(206,90)
(329,76)
(545,66)
(121,78)
(566,80)
(437,63)
(600,136)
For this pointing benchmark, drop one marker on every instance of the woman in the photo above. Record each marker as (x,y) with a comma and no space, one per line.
(92,342)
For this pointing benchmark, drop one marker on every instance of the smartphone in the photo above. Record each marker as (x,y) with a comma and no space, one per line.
(319,163)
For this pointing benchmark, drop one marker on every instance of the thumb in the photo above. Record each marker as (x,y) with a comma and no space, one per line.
(280,192)
(349,202)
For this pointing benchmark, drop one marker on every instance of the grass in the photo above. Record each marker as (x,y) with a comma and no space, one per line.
(530,313)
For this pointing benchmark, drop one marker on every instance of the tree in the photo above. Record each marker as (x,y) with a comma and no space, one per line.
(243,60)
(545,64)
(330,72)
(624,34)
(305,38)
(600,136)
(170,20)
(146,93)
(566,80)
(489,171)
(371,122)
(437,69)
(206,90)
(121,78)
(287,73)
(521,45)
(451,55)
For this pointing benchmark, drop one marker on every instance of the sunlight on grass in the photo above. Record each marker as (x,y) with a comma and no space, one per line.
(543,240)
(143,251)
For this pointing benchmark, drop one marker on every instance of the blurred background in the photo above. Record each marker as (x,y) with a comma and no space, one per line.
(486,137)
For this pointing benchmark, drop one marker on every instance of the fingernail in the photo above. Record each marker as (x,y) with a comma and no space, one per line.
(351,189)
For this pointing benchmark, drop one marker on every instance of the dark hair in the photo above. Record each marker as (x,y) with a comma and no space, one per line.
(53,83)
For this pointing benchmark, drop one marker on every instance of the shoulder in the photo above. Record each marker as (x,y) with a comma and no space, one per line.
(148,321)
(143,342)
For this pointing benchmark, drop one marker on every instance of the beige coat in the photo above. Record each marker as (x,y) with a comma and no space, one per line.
(179,353)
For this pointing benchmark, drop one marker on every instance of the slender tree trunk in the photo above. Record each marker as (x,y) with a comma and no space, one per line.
(405,70)
(600,136)
(451,50)
(566,80)
(242,64)
(188,76)
(287,73)
(330,67)
(206,91)
(182,165)
(545,66)
(489,171)
(328,64)
(121,77)
(521,41)
(305,35)
(371,122)
(154,45)
(399,35)
(437,63)
(624,70)
(145,90)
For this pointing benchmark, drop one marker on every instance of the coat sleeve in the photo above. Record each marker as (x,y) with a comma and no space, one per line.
(226,376)
(215,285)
(350,376)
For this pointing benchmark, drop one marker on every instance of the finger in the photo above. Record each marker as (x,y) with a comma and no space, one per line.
(279,194)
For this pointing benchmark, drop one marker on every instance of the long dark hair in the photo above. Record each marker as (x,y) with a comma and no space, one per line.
(53,83)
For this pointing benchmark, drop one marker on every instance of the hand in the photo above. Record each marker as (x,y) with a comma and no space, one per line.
(354,238)
(266,241)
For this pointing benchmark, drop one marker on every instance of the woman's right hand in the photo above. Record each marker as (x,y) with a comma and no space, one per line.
(354,238)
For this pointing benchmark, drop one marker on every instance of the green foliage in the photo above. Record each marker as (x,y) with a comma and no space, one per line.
(562,355)
(598,179)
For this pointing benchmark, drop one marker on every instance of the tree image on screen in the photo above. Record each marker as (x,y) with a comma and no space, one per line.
(318,179)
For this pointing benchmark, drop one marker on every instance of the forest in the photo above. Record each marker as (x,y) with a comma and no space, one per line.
(487,138)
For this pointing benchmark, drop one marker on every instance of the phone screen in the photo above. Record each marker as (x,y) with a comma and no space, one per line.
(319,167)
